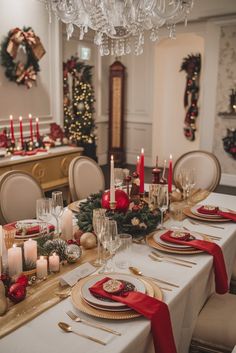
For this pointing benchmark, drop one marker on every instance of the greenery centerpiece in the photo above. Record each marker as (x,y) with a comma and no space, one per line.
(138,219)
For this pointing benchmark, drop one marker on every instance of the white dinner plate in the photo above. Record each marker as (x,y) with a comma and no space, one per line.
(96,306)
(158,240)
(194,210)
(27,223)
(85,292)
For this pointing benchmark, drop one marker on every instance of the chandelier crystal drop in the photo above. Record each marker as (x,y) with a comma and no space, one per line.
(120,25)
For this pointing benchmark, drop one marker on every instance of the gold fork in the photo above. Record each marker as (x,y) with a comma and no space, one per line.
(76,318)
(167,260)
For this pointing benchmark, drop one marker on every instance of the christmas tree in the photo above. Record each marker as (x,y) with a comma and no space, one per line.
(79,105)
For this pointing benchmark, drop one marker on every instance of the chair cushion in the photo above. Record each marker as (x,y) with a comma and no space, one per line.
(18,194)
(216,324)
(85,178)
(206,166)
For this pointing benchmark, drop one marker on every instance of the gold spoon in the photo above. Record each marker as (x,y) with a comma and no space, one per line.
(67,328)
(137,272)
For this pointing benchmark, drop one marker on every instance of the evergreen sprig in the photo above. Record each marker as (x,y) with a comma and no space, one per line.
(146,219)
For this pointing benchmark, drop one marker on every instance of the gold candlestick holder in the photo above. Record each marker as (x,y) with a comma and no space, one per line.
(112,205)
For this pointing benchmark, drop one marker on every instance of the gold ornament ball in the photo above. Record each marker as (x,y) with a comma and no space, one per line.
(88,240)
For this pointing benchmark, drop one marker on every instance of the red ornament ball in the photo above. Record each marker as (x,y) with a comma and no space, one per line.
(23,280)
(17,292)
(122,200)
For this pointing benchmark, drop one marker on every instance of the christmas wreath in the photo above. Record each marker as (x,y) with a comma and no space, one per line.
(16,71)
(138,220)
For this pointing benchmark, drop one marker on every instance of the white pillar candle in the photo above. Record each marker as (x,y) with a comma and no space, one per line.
(67,225)
(41,267)
(14,260)
(112,182)
(30,251)
(54,263)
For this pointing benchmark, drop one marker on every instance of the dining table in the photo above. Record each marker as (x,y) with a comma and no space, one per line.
(195,285)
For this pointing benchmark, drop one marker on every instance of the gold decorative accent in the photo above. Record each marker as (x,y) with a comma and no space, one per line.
(116,112)
(151,288)
(39,171)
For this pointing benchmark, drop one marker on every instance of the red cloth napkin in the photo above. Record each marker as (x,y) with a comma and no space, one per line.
(221,278)
(31,230)
(152,308)
(227,215)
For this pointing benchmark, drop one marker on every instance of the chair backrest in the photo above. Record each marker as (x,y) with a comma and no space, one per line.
(206,167)
(18,194)
(85,178)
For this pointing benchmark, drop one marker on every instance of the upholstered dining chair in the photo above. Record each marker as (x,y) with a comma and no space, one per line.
(19,191)
(205,165)
(215,330)
(85,178)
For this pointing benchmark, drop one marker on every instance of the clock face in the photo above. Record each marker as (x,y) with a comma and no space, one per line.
(116,112)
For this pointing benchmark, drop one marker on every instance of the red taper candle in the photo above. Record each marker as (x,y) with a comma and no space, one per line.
(170,175)
(12,129)
(37,129)
(31,128)
(141,172)
(21,131)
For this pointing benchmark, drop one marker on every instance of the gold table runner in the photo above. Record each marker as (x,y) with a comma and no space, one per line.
(40,297)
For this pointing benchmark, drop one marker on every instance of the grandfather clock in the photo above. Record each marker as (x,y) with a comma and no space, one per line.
(116,112)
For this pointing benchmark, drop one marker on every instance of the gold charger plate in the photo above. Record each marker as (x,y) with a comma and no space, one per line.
(151,242)
(152,290)
(187,212)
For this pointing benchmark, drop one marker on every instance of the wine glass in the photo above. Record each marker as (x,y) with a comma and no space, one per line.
(98,222)
(57,207)
(43,212)
(118,177)
(162,201)
(111,242)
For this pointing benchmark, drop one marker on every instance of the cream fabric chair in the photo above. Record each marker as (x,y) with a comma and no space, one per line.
(206,165)
(215,330)
(85,178)
(18,194)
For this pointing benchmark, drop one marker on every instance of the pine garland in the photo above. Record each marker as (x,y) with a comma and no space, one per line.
(140,222)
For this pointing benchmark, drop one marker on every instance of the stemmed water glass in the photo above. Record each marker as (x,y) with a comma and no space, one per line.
(118,177)
(44,213)
(98,223)
(162,201)
(57,207)
(111,242)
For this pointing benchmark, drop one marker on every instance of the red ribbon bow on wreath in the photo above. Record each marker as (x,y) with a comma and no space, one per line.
(27,76)
(18,37)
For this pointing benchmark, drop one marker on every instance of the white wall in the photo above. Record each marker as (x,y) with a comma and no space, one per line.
(169,88)
(41,100)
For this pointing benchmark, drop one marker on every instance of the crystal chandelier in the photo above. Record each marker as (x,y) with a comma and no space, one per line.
(120,25)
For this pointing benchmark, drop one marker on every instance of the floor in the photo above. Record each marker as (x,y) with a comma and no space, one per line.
(221,189)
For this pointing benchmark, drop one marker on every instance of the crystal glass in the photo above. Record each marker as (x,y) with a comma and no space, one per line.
(153,191)
(110,242)
(44,213)
(9,235)
(176,215)
(162,201)
(118,177)
(98,223)
(122,258)
(57,207)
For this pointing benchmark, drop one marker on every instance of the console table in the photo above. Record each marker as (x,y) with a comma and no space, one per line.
(49,168)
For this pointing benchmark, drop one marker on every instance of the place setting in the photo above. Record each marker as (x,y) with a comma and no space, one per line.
(210,213)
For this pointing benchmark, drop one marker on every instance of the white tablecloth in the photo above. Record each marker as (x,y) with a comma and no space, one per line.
(196,284)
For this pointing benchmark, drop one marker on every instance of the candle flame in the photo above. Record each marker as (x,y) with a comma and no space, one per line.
(11,117)
(20,118)
(54,254)
(142,150)
(41,257)
(37,120)
(30,116)
(14,245)
(170,156)
(138,158)
(112,157)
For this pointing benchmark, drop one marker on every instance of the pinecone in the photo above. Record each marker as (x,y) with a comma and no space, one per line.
(58,246)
